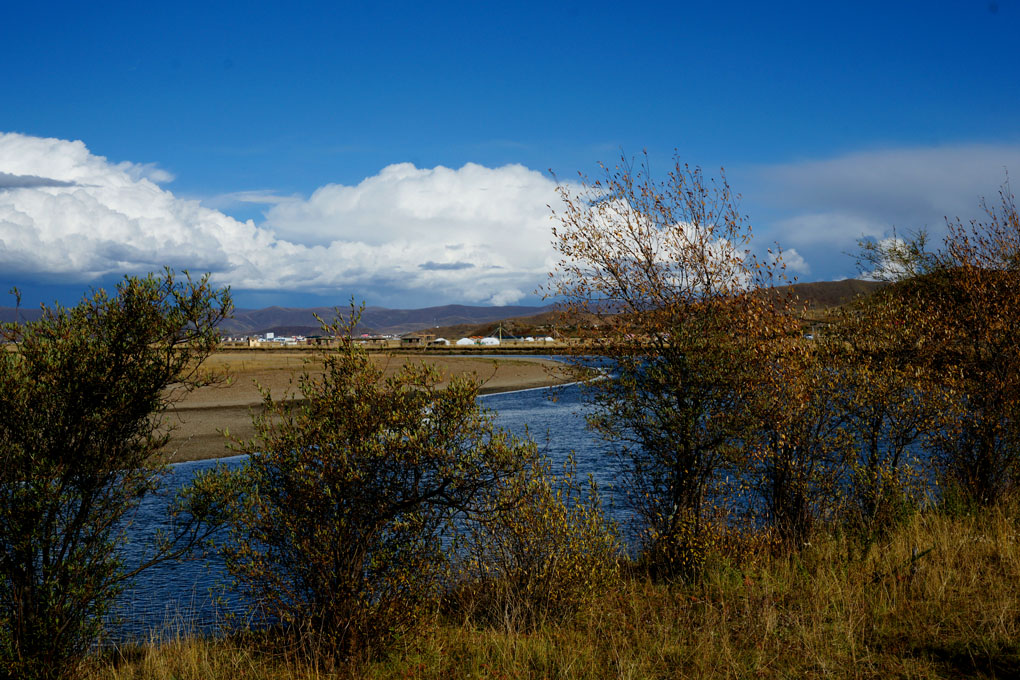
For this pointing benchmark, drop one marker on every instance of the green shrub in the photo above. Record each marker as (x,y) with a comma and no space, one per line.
(336,524)
(81,395)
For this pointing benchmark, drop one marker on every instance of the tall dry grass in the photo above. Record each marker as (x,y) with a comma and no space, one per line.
(939,597)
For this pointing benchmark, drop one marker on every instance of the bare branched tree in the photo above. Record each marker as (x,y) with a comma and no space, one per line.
(662,276)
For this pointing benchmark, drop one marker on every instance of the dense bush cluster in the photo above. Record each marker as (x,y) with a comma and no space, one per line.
(731,412)
(546,553)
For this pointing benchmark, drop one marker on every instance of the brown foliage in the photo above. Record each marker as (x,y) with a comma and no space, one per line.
(958,317)
(545,555)
(665,268)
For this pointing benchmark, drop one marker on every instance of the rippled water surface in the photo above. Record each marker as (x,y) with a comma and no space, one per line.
(182,595)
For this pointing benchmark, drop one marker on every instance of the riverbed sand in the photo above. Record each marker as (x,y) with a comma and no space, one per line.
(203,420)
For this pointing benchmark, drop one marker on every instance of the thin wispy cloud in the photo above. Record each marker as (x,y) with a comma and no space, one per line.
(253,197)
(823,207)
(876,190)
(445,266)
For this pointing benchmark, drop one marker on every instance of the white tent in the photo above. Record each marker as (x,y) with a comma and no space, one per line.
(548,339)
(489,341)
(465,341)
(440,341)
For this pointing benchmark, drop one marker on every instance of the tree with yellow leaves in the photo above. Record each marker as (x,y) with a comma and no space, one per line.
(961,320)
(673,296)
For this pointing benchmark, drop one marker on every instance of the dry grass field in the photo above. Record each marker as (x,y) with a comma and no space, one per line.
(936,598)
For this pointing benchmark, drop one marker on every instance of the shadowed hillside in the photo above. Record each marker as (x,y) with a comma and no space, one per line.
(460,320)
(822,295)
(818,296)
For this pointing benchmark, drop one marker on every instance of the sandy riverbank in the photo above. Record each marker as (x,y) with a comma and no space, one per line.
(202,417)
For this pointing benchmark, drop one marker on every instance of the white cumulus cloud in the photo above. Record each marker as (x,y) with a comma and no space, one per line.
(83,217)
(484,232)
(473,234)
(791,262)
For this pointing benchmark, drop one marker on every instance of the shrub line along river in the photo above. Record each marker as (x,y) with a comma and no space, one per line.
(179,597)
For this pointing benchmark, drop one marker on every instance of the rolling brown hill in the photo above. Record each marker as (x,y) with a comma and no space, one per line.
(822,295)
(818,296)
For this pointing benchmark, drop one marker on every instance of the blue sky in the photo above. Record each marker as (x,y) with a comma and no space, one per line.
(400,152)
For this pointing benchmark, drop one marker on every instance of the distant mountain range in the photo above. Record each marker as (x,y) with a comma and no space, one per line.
(295,321)
(9,314)
(301,321)
(291,321)
(465,319)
